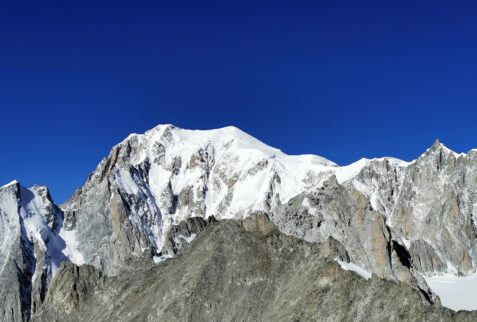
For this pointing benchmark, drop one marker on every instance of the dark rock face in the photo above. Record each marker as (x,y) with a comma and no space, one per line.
(179,236)
(74,285)
(238,271)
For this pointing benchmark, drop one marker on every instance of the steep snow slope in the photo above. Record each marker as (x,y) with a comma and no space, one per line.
(184,157)
(30,248)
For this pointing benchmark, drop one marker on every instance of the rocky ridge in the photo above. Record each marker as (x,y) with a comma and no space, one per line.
(238,271)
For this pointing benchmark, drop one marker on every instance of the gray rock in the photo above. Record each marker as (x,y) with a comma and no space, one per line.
(238,272)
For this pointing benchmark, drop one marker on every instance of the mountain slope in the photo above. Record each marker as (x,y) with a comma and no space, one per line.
(31,250)
(152,181)
(238,271)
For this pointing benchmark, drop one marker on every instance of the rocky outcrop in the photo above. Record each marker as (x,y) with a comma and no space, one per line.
(179,236)
(342,212)
(239,272)
(434,212)
(73,286)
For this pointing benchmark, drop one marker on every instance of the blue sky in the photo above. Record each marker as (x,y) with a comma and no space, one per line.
(339,79)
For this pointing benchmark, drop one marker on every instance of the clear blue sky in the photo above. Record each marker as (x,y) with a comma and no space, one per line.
(339,79)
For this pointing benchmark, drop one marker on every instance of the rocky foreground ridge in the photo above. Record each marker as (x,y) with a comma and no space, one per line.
(157,191)
(238,271)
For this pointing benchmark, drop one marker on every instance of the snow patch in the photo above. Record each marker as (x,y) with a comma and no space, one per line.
(127,182)
(406,242)
(306,204)
(354,268)
(161,258)
(348,172)
(188,239)
(71,250)
(37,230)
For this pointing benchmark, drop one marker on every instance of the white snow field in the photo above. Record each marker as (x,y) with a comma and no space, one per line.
(456,292)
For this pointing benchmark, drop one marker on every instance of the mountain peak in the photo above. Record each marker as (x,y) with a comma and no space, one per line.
(11,183)
(437,143)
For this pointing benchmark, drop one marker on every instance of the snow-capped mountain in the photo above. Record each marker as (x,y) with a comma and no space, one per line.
(152,181)
(31,249)
(396,219)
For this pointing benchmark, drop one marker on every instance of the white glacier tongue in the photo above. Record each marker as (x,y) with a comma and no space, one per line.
(455,292)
